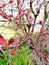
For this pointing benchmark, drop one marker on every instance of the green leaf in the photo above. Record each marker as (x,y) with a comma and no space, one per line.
(35,33)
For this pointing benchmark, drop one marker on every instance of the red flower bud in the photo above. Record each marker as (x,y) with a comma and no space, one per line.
(30,17)
(46,45)
(48,53)
(21,12)
(17,18)
(40,22)
(11,15)
(42,31)
(11,1)
(18,2)
(17,28)
(0,6)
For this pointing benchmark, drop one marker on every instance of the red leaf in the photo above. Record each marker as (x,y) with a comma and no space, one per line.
(3,42)
(12,40)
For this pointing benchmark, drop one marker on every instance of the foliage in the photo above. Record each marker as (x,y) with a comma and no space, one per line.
(22,57)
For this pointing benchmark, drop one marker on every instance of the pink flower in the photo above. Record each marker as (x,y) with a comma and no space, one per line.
(30,18)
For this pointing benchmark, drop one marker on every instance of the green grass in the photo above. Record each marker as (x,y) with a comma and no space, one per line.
(22,57)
